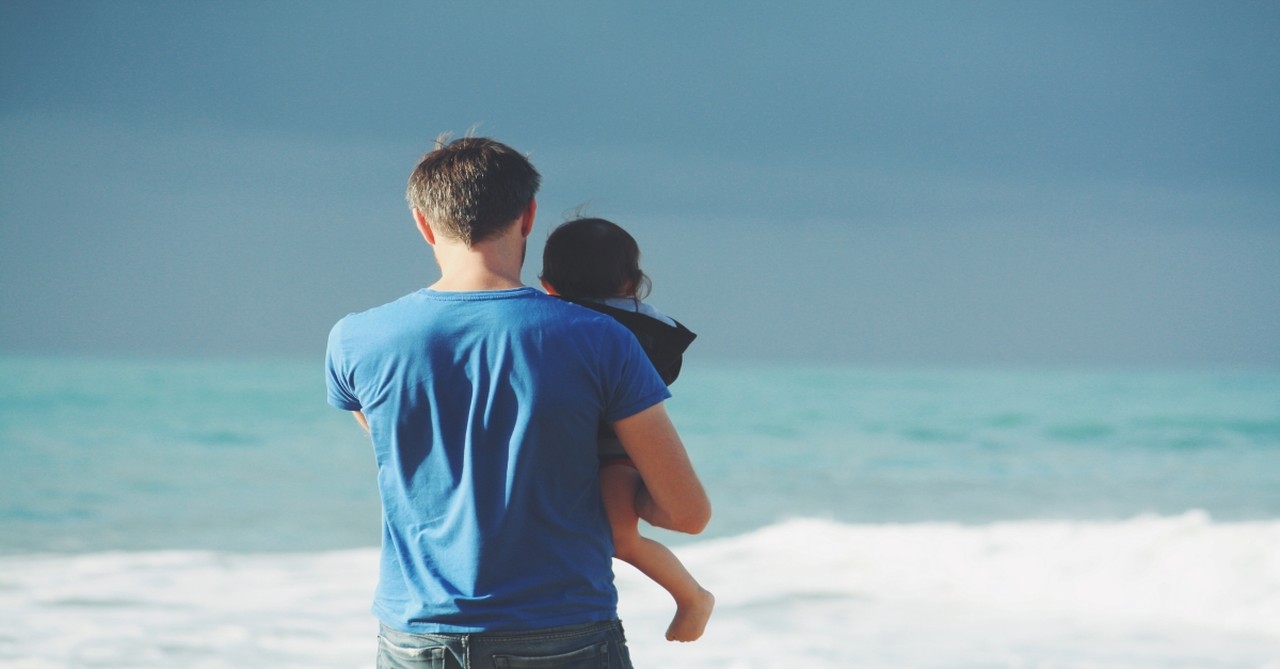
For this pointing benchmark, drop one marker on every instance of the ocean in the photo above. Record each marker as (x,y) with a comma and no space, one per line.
(219,514)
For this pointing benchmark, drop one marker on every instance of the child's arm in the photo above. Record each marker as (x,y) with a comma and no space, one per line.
(672,497)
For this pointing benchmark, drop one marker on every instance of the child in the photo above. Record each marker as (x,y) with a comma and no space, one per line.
(595,263)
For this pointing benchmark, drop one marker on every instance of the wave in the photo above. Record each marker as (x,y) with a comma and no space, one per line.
(1136,594)
(1184,569)
(1146,593)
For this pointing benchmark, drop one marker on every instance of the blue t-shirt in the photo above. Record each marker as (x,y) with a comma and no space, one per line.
(483,409)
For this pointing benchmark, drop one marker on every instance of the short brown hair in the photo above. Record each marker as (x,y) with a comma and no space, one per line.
(472,188)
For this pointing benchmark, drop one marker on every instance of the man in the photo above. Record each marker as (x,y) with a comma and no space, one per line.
(482,397)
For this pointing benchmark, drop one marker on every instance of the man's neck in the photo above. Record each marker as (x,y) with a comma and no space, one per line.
(489,265)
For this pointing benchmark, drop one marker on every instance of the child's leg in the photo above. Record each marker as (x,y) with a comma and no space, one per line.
(619,485)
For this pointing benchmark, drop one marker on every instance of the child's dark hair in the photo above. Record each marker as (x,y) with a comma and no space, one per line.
(593,258)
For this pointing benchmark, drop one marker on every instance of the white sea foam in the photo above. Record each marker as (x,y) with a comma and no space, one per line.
(1180,591)
(1177,591)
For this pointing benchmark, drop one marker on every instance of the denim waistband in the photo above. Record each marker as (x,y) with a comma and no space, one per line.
(567,631)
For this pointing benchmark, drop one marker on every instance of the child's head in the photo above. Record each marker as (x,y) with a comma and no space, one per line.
(593,258)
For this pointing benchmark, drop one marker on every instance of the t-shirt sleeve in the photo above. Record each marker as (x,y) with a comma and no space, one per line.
(636,385)
(337,375)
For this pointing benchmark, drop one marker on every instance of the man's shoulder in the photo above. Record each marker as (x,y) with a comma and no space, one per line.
(426,305)
(377,312)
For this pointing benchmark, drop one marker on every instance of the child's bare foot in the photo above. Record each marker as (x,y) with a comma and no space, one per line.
(691,617)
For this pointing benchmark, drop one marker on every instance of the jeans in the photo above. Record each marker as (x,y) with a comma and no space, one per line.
(590,646)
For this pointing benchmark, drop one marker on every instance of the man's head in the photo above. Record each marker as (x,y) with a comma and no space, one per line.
(472,189)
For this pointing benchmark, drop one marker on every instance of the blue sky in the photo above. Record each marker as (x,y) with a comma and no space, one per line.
(937,183)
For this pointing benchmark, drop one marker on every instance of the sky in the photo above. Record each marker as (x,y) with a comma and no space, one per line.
(887,183)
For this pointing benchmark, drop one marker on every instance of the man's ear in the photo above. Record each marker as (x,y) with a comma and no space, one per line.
(424,227)
(526,218)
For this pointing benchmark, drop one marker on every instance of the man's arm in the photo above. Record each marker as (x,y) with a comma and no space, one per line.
(364,422)
(672,497)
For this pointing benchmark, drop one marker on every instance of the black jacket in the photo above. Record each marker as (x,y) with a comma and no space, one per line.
(664,343)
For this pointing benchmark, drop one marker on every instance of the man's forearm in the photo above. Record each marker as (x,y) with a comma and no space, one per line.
(672,498)
(653,514)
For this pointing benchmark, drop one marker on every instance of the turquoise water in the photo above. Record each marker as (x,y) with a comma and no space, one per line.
(220,514)
(111,455)
(98,455)
(894,446)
